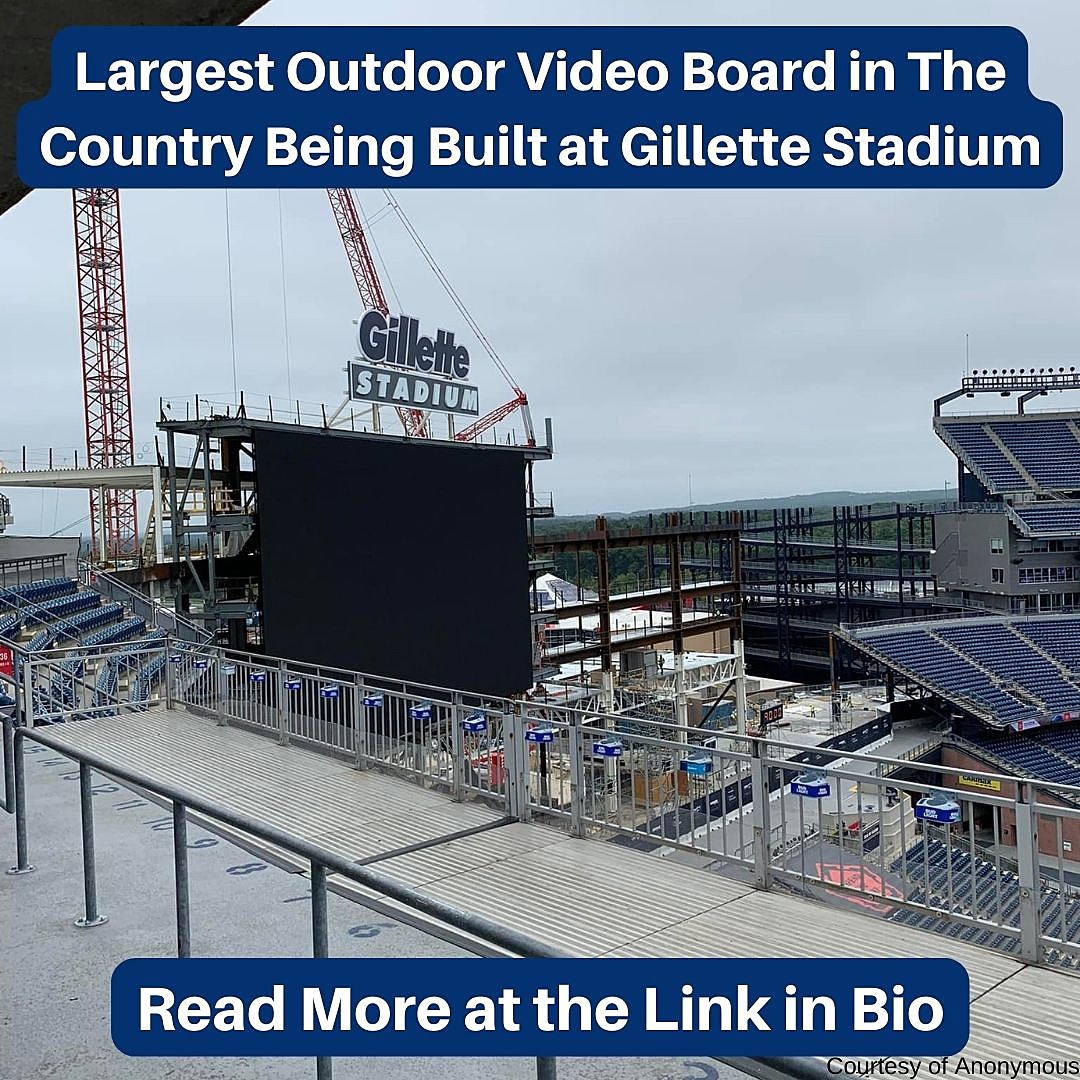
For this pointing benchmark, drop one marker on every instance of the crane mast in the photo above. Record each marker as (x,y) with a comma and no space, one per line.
(99,267)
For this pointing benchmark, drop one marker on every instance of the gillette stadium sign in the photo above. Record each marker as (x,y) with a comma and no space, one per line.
(401,367)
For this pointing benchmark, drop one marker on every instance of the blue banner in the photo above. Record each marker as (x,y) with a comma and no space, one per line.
(553,1008)
(606,107)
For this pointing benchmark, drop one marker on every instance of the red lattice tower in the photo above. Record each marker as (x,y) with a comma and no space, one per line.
(99,266)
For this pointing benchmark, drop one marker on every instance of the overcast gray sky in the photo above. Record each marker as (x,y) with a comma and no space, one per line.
(808,331)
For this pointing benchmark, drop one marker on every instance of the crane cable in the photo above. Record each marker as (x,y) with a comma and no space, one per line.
(450,290)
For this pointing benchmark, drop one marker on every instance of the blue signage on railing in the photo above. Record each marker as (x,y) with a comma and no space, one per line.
(474,723)
(421,711)
(811,786)
(330,692)
(938,809)
(607,748)
(291,684)
(257,676)
(697,765)
(176,658)
(201,665)
(542,734)
(373,701)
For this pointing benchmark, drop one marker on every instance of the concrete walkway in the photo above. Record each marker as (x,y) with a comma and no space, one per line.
(581,896)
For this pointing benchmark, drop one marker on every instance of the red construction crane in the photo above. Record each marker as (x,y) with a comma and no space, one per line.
(99,266)
(367,281)
(371,293)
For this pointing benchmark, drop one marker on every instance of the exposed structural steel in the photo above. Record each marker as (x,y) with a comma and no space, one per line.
(99,266)
(367,280)
(807,570)
(674,585)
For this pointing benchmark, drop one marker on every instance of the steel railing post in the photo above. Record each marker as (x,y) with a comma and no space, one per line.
(170,676)
(219,677)
(1027,857)
(86,806)
(546,1068)
(9,764)
(457,748)
(283,699)
(359,724)
(759,786)
(28,692)
(180,866)
(320,945)
(577,782)
(22,863)
(520,765)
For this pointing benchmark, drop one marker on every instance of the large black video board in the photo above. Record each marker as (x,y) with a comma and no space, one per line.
(407,559)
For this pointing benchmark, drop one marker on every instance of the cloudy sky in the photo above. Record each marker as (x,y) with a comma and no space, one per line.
(806,332)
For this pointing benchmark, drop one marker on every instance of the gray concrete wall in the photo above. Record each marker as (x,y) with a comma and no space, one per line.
(25,547)
(964,562)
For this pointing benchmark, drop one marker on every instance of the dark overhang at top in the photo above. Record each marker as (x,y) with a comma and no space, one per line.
(26,32)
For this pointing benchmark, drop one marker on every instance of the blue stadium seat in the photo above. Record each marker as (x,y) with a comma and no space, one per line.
(1050,518)
(1048,449)
(984,457)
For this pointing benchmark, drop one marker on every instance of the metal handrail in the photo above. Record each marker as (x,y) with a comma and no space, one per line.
(321,860)
(91,575)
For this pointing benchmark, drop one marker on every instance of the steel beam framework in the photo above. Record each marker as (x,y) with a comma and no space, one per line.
(806,571)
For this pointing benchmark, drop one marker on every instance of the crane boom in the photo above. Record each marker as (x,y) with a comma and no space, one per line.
(367,280)
(371,292)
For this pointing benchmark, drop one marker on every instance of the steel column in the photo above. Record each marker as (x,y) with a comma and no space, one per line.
(9,763)
(86,804)
(180,865)
(22,863)
(1027,857)
(759,781)
(457,747)
(320,946)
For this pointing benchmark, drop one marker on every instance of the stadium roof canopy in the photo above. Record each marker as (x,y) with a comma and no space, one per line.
(1009,672)
(26,33)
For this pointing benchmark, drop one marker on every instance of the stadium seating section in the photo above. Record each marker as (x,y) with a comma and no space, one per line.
(1047,449)
(56,613)
(1004,670)
(1048,519)
(984,458)
(980,890)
